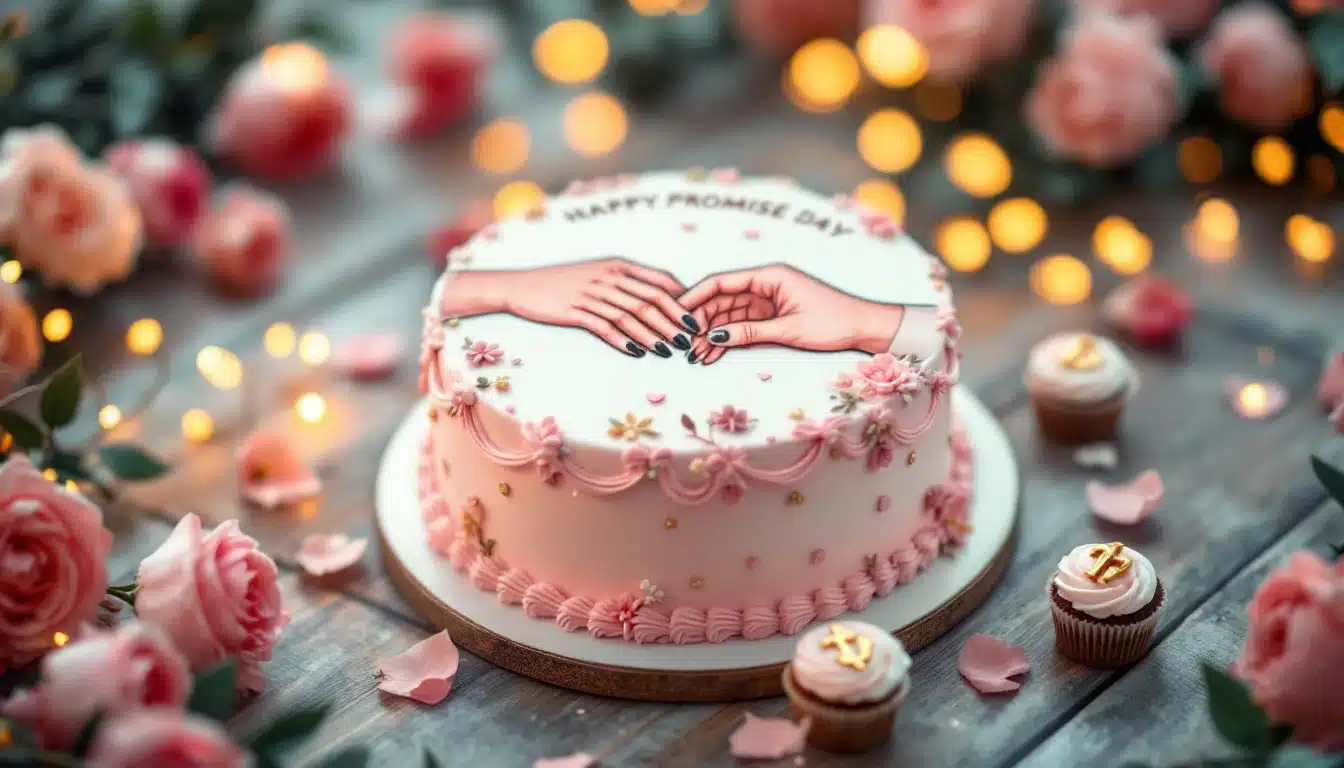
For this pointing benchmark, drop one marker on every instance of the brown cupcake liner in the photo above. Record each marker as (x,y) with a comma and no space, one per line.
(839,728)
(1073,425)
(1093,643)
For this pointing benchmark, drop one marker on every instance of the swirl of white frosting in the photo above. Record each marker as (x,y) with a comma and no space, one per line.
(817,670)
(1048,375)
(1127,593)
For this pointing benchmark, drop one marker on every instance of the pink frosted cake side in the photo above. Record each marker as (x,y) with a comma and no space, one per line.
(692,407)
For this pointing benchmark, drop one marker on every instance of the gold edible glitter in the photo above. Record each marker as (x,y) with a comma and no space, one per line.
(957,524)
(453,322)
(502,383)
(1082,354)
(910,459)
(670,524)
(1107,562)
(697,465)
(504,489)
(433,414)
(697,582)
(795,498)
(852,649)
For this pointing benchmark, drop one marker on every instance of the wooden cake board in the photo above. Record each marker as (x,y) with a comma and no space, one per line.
(918,613)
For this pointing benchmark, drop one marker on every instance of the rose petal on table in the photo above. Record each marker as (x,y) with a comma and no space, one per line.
(368,355)
(424,672)
(270,472)
(576,760)
(1126,504)
(322,554)
(987,662)
(1097,456)
(1274,399)
(768,738)
(1330,387)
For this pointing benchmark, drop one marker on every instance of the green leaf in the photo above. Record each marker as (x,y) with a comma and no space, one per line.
(1235,715)
(321,33)
(290,728)
(220,15)
(144,25)
(136,89)
(1278,734)
(351,757)
(430,760)
(1195,81)
(1298,756)
(1325,40)
(26,434)
(85,738)
(68,465)
(130,462)
(1331,478)
(212,692)
(60,399)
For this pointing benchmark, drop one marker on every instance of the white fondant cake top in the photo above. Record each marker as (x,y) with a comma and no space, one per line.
(791,305)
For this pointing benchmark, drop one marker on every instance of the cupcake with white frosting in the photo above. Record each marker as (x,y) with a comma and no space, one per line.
(1104,599)
(850,679)
(1079,384)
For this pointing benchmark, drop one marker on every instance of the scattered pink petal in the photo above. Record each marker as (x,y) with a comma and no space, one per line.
(987,662)
(768,738)
(1255,400)
(752,234)
(765,376)
(423,672)
(1097,456)
(368,355)
(516,361)
(1126,504)
(322,554)
(576,760)
(688,227)
(1330,387)
(270,473)
(656,398)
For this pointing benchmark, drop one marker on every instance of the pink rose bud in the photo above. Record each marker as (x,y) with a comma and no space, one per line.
(216,596)
(164,737)
(456,233)
(1178,18)
(959,36)
(170,184)
(104,672)
(243,243)
(442,61)
(1263,70)
(20,345)
(777,27)
(1109,92)
(52,551)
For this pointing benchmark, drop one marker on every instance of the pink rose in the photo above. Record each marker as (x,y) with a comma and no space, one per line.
(1108,93)
(1178,18)
(884,374)
(20,346)
(1151,309)
(777,27)
(164,737)
(243,243)
(215,596)
(170,184)
(1262,67)
(881,455)
(1293,658)
(105,672)
(959,36)
(443,62)
(52,549)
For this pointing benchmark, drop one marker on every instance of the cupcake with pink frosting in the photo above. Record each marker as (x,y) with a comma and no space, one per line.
(849,678)
(1079,384)
(1104,599)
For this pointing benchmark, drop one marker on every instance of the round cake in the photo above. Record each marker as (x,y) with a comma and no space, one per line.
(690,407)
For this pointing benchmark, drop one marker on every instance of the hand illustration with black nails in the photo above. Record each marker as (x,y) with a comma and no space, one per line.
(780,305)
(630,307)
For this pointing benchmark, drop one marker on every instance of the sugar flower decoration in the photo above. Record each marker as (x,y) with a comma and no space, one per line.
(632,428)
(768,738)
(730,419)
(1126,504)
(424,672)
(368,355)
(323,554)
(652,594)
(483,353)
(270,472)
(885,375)
(987,662)
(1151,309)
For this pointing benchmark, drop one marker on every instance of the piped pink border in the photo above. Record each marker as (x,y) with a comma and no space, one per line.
(945,523)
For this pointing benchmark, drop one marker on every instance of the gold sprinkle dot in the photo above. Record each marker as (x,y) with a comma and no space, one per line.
(504,489)
(60,639)
(910,459)
(939,285)
(49,475)
(795,498)
(502,383)
(697,174)
(796,414)
(697,582)
(453,322)
(433,414)
(697,465)
(670,524)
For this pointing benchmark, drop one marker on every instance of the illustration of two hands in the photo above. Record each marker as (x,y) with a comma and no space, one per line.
(637,309)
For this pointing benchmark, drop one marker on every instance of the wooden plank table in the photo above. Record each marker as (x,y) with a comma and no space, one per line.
(1239,495)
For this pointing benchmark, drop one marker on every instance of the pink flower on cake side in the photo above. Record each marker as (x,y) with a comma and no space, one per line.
(885,375)
(643,458)
(170,184)
(776,27)
(1151,309)
(948,505)
(1109,92)
(483,353)
(730,419)
(20,345)
(959,36)
(216,596)
(881,455)
(52,551)
(105,673)
(462,398)
(1293,658)
(1178,18)
(1263,70)
(547,443)
(164,737)
(243,243)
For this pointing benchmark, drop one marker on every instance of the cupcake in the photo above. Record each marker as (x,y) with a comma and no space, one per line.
(1104,599)
(1079,384)
(849,678)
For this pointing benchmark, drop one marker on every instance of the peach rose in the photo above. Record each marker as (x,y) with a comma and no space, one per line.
(777,27)
(1293,658)
(1108,93)
(1178,18)
(170,184)
(52,551)
(20,345)
(215,596)
(959,36)
(243,243)
(104,672)
(1263,70)
(164,737)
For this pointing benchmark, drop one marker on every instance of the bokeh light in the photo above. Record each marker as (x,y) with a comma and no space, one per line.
(882,195)
(220,367)
(294,67)
(109,416)
(11,271)
(60,639)
(310,407)
(595,124)
(1017,225)
(571,51)
(1313,241)
(977,165)
(314,347)
(963,243)
(892,56)
(1217,220)
(889,140)
(1331,122)
(823,74)
(939,102)
(1273,160)
(144,336)
(1061,279)
(1121,246)
(279,340)
(501,146)
(517,198)
(197,425)
(653,7)
(1199,159)
(57,324)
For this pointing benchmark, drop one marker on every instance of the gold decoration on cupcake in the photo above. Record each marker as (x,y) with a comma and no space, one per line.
(854,656)
(796,498)
(670,524)
(1107,563)
(910,459)
(504,489)
(697,582)
(1082,354)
